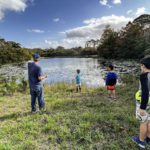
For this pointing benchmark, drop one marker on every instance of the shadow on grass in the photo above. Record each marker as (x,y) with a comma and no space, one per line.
(14,116)
(21,115)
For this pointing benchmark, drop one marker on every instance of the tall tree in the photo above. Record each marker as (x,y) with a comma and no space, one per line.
(108,45)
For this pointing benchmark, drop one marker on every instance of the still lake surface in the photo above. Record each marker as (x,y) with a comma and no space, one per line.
(64,70)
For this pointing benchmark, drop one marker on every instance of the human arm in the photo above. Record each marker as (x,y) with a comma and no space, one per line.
(107,78)
(145,93)
(40,75)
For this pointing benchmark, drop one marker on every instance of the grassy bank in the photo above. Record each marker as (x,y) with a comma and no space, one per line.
(73,121)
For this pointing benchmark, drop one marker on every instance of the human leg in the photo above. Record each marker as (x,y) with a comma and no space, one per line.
(77,88)
(33,100)
(140,140)
(114,93)
(109,93)
(80,88)
(41,101)
(143,131)
(148,133)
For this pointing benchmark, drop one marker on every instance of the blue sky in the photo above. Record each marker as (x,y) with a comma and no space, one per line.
(50,23)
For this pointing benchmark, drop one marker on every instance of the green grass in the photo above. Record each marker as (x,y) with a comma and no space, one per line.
(73,121)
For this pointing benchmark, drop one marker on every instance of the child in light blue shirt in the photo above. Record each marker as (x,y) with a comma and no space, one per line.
(78,81)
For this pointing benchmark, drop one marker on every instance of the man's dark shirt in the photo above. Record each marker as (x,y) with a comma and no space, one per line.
(34,71)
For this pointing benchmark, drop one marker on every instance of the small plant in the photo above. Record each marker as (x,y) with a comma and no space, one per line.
(23,86)
(10,86)
(129,79)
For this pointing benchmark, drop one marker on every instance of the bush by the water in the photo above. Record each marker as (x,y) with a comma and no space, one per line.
(129,79)
(11,52)
(13,85)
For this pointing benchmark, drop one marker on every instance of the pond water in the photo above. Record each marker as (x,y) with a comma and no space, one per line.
(64,70)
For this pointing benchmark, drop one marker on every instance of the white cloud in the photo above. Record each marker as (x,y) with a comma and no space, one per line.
(94,27)
(35,30)
(56,19)
(12,5)
(117,1)
(140,11)
(130,11)
(67,43)
(105,3)
(137,12)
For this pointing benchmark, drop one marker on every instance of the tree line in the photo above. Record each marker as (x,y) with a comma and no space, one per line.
(63,52)
(12,52)
(131,42)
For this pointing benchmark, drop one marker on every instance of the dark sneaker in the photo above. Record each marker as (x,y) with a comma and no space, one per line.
(141,144)
(147,140)
(115,98)
(43,109)
(33,112)
(109,97)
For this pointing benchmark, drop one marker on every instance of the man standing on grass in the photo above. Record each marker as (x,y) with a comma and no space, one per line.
(143,105)
(35,82)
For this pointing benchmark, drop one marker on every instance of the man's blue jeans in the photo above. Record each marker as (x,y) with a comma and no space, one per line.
(37,93)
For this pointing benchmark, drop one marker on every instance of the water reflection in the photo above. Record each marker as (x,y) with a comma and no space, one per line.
(64,70)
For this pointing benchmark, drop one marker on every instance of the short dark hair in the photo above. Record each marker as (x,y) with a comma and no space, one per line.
(146,62)
(78,70)
(111,67)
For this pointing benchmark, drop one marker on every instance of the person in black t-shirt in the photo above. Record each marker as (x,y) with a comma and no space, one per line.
(143,105)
